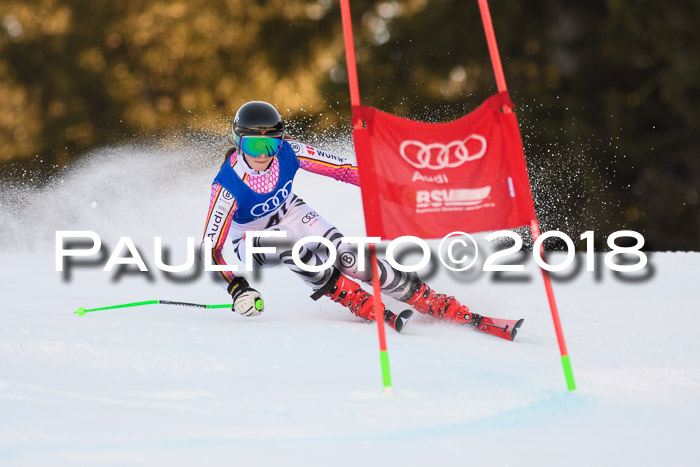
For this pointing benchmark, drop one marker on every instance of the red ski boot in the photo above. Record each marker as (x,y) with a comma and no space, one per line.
(425,300)
(348,293)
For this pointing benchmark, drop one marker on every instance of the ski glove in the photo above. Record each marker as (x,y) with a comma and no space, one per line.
(246,300)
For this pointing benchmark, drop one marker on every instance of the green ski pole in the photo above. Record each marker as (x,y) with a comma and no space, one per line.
(81,311)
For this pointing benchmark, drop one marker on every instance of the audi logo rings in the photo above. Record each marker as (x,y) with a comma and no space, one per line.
(273,202)
(437,156)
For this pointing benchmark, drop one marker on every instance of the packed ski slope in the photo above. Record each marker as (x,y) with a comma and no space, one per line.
(301,385)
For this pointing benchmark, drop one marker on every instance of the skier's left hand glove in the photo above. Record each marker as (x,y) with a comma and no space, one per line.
(246,300)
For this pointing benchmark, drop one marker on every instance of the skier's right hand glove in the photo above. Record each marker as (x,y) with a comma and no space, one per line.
(246,300)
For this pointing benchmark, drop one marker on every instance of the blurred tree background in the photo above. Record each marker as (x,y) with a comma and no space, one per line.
(606,91)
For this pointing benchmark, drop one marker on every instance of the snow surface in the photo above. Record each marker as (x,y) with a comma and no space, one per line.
(301,384)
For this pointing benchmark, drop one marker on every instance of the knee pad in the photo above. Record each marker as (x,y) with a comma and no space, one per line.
(348,263)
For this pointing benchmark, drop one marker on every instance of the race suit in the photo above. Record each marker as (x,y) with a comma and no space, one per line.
(243,199)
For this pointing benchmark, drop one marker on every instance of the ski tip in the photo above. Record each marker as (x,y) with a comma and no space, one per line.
(80,311)
(402,319)
(515,329)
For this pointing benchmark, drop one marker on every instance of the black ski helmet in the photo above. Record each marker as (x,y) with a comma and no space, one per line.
(257,118)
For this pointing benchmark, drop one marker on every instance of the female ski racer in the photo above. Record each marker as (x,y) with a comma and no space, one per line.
(253,191)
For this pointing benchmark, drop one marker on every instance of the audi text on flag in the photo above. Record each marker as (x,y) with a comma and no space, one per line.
(430,179)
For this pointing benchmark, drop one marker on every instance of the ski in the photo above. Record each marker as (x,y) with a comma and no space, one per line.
(503,328)
(397,322)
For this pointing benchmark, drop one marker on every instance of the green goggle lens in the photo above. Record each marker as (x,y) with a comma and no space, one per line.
(256,146)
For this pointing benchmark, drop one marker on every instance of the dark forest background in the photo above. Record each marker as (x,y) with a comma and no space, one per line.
(606,91)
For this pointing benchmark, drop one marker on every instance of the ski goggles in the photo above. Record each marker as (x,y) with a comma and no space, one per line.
(256,146)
